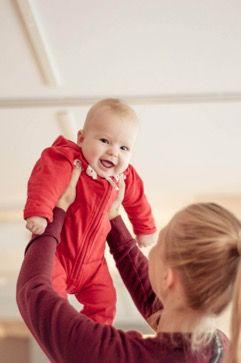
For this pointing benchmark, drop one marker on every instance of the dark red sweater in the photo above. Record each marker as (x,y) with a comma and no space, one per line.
(68,336)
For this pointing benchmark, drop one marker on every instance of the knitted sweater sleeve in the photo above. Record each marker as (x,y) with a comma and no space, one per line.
(64,334)
(133,268)
(136,204)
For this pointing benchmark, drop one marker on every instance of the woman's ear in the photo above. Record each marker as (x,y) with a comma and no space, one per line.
(80,137)
(170,278)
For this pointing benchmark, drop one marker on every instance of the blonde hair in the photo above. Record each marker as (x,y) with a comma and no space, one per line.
(202,242)
(114,105)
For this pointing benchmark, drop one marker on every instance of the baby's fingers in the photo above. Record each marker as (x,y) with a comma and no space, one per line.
(29,225)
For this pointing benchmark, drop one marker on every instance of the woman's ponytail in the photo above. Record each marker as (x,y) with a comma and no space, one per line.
(234,355)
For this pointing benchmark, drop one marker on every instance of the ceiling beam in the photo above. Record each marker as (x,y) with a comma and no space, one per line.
(38,42)
(66,101)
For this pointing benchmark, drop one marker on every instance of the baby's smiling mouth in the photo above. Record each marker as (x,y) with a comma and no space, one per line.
(107,163)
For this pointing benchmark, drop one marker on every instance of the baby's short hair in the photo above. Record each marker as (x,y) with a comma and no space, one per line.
(114,105)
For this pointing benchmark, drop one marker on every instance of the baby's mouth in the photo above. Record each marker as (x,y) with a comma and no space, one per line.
(107,163)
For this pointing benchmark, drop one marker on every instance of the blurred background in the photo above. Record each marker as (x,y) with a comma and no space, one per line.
(177,63)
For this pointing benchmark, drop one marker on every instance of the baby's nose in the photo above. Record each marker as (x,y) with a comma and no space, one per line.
(113,151)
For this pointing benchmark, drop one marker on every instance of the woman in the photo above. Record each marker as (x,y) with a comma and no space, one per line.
(194,270)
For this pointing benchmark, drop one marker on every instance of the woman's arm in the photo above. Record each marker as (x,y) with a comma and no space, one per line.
(131,263)
(133,268)
(37,302)
(64,334)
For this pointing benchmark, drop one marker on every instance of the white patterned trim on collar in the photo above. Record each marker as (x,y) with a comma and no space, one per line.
(91,172)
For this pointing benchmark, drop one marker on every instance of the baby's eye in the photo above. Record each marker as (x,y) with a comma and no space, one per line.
(105,141)
(125,148)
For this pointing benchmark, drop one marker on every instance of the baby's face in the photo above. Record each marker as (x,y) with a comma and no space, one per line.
(107,143)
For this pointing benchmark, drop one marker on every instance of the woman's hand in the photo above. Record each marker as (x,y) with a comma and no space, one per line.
(114,209)
(69,195)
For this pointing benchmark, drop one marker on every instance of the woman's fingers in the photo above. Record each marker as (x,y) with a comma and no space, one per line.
(114,209)
(122,187)
(69,194)
(75,173)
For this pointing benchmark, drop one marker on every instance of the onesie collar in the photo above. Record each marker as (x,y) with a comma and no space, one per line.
(73,151)
(112,180)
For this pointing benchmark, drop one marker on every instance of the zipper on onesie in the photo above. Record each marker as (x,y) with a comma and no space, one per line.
(91,232)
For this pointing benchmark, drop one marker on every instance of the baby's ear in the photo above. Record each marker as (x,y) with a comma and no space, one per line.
(80,137)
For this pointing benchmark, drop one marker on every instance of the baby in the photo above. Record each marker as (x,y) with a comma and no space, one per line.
(104,148)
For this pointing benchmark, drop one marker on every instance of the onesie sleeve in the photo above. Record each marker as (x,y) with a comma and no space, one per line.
(136,204)
(133,268)
(47,182)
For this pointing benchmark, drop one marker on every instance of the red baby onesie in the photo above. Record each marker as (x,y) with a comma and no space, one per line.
(79,266)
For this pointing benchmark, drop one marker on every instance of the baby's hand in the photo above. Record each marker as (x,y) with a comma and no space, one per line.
(36,224)
(145,240)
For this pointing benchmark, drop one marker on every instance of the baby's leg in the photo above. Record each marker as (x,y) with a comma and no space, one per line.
(99,296)
(59,278)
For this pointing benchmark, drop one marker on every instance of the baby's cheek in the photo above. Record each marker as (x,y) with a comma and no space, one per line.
(125,164)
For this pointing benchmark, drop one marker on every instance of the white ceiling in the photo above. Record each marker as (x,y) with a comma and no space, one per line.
(142,51)
(128,47)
